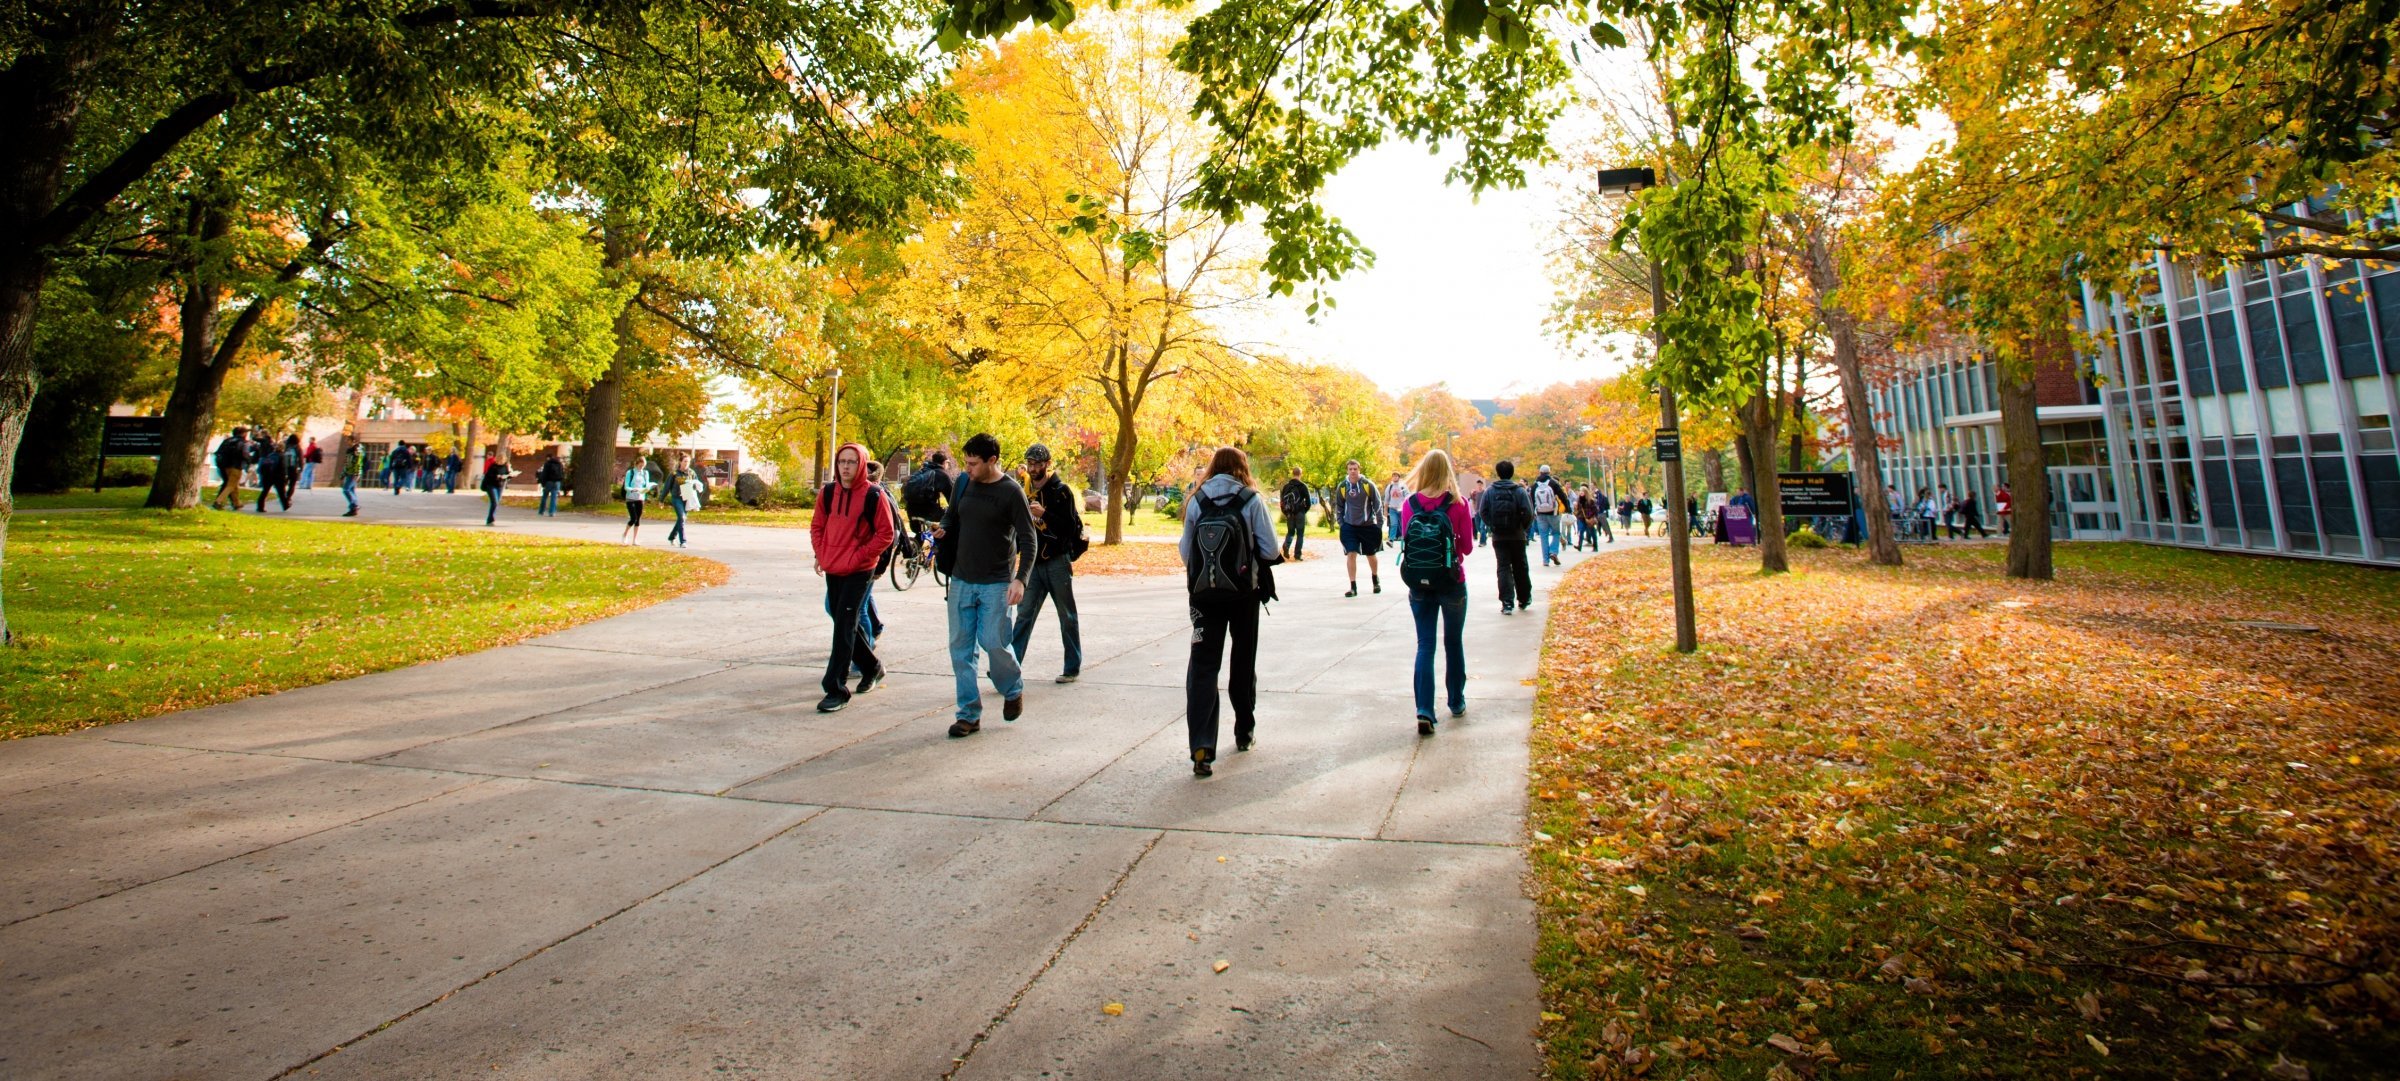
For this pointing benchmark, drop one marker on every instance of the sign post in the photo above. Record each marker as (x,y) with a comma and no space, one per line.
(128,437)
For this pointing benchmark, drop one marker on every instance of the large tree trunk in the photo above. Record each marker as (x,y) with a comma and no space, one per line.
(191,414)
(20,292)
(1760,419)
(1745,461)
(2028,479)
(1866,461)
(474,454)
(1712,466)
(595,465)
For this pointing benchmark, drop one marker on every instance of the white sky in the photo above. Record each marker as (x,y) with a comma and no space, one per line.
(1459,289)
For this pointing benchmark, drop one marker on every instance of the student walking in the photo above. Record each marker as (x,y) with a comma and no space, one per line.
(1059,540)
(310,459)
(553,476)
(1394,493)
(987,537)
(2004,505)
(848,530)
(233,456)
(1642,505)
(1475,511)
(1508,511)
(1227,549)
(278,471)
(638,484)
(1435,538)
(1359,506)
(1970,515)
(683,495)
(1295,499)
(1549,499)
(495,480)
(354,468)
(396,466)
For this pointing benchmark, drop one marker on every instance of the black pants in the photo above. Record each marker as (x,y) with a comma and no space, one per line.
(1295,528)
(1211,620)
(844,593)
(276,485)
(1516,579)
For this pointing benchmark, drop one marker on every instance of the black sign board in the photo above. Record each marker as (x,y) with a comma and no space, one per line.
(1815,494)
(1667,443)
(133,437)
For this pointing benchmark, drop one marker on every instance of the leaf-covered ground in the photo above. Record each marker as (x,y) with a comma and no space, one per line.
(1933,822)
(124,614)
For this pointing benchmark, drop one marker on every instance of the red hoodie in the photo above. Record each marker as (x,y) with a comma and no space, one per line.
(852,524)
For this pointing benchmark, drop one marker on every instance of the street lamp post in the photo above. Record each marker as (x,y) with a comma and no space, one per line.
(1625,182)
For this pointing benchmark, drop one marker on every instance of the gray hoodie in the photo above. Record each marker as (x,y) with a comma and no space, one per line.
(1262,528)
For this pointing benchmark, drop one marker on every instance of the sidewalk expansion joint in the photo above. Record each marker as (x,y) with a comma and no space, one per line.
(537,952)
(1089,918)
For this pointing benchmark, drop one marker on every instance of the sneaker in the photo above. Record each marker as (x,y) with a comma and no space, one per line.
(1505,609)
(1353,590)
(833,703)
(1013,708)
(1068,677)
(353,512)
(1243,743)
(1200,762)
(869,681)
(1378,585)
(963,729)
(1424,726)
(1459,710)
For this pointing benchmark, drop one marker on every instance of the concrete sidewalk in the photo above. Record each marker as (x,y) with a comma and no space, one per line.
(633,849)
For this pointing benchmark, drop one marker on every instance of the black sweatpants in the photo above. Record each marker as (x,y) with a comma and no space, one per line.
(1516,579)
(844,593)
(1211,622)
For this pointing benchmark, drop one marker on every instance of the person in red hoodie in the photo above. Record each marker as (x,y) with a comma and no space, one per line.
(849,530)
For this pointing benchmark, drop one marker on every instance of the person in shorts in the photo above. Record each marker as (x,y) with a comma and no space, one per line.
(1359,505)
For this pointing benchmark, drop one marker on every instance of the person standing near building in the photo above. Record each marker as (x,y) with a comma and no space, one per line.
(848,531)
(1475,511)
(638,484)
(452,466)
(1227,554)
(1970,515)
(1394,493)
(1928,513)
(2004,504)
(232,457)
(553,476)
(1435,540)
(1295,499)
(1361,513)
(1548,500)
(1058,540)
(495,481)
(989,533)
(1947,506)
(354,468)
(310,459)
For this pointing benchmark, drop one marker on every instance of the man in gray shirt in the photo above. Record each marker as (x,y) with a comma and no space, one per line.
(990,528)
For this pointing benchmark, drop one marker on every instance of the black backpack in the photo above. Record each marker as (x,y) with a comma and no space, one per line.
(1224,555)
(1295,501)
(1429,548)
(1505,509)
(923,492)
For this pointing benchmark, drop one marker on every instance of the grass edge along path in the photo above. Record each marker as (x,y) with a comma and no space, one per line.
(129,614)
(1933,822)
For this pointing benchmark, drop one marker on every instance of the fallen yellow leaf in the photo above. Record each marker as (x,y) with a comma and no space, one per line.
(1114,1009)
(1222,965)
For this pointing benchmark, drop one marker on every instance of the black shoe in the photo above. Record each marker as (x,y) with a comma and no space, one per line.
(351,513)
(1069,677)
(1012,708)
(1200,760)
(833,703)
(1508,610)
(1378,585)
(963,729)
(869,681)
(1424,726)
(1458,711)
(1353,590)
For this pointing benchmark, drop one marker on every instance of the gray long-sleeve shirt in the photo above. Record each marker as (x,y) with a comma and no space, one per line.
(1262,528)
(993,528)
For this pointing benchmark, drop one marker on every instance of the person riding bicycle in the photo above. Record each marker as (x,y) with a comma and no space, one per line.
(924,497)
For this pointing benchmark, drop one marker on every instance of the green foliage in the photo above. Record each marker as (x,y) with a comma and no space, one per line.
(93,341)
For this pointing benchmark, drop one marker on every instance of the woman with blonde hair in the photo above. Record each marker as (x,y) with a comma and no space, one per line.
(1228,544)
(1435,536)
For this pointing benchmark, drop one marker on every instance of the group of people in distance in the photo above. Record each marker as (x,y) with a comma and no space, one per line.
(274,466)
(1935,508)
(1009,547)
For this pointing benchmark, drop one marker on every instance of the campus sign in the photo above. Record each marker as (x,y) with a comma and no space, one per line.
(1815,494)
(133,437)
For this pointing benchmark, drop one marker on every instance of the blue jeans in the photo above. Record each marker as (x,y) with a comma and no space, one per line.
(350,491)
(1053,579)
(1451,609)
(979,618)
(491,505)
(549,498)
(1547,526)
(677,534)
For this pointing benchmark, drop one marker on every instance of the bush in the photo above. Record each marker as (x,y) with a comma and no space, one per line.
(1804,537)
(129,473)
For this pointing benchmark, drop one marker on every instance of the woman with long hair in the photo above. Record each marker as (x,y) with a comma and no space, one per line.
(1228,544)
(1433,563)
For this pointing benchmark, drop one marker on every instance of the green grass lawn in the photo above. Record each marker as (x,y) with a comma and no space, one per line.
(111,498)
(120,615)
(1933,822)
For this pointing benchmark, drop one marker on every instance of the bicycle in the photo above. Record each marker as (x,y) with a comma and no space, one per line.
(906,568)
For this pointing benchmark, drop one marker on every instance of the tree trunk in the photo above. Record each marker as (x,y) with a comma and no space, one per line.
(1759,421)
(20,293)
(2028,478)
(1712,466)
(474,454)
(1120,471)
(1866,461)
(1797,465)
(595,465)
(1744,459)
(191,413)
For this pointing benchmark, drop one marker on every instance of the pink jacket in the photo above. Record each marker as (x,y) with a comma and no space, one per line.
(1461,526)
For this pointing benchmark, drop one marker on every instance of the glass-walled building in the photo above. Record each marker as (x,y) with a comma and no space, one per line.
(2239,406)
(2250,405)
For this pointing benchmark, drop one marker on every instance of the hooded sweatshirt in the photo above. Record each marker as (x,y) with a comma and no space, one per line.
(851,525)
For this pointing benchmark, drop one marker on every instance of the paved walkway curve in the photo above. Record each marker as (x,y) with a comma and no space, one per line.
(632,849)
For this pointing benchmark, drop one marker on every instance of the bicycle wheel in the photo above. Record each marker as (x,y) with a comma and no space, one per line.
(939,579)
(904,572)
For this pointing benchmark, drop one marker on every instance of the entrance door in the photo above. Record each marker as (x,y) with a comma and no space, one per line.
(2084,504)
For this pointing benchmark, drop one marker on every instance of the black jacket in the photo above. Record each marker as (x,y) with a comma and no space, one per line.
(1062,519)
